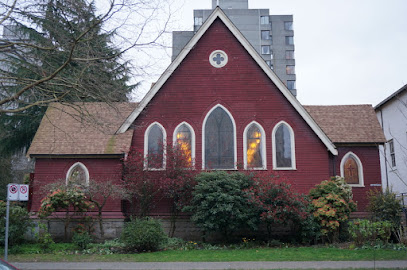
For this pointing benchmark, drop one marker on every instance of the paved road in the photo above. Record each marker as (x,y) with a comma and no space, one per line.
(210,265)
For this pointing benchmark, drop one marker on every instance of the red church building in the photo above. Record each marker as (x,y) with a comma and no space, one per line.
(221,100)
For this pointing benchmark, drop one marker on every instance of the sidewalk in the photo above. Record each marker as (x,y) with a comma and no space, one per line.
(210,265)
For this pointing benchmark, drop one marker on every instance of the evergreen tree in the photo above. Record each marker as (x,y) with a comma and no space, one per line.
(62,40)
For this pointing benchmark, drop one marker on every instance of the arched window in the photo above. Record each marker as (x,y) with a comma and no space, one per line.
(352,169)
(154,147)
(78,174)
(219,140)
(283,147)
(254,147)
(184,138)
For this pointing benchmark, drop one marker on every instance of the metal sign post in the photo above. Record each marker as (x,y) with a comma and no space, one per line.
(6,238)
(15,192)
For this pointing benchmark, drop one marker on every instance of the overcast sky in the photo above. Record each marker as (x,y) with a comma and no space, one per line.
(347,51)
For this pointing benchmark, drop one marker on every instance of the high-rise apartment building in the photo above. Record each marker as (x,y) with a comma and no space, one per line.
(271,35)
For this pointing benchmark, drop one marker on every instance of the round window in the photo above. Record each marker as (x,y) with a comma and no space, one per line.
(218,58)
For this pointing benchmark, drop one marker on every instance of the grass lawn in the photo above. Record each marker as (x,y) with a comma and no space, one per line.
(257,254)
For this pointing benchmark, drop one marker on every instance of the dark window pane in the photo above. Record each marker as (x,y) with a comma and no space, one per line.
(289,54)
(219,143)
(290,69)
(351,171)
(184,141)
(264,20)
(283,147)
(288,25)
(265,49)
(155,148)
(291,85)
(289,40)
(265,34)
(254,151)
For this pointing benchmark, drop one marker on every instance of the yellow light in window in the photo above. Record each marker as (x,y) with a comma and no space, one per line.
(186,149)
(252,149)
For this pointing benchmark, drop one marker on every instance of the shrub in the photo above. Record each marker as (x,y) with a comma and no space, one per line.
(144,235)
(385,206)
(331,205)
(309,228)
(364,231)
(82,239)
(19,223)
(219,204)
(276,202)
(336,185)
(44,238)
(81,236)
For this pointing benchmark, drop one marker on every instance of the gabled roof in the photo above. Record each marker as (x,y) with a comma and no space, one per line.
(83,129)
(395,94)
(218,13)
(348,123)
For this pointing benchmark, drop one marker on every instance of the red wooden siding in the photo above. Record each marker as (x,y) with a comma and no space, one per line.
(50,170)
(245,90)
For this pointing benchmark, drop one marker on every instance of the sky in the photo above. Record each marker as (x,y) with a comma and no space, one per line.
(347,51)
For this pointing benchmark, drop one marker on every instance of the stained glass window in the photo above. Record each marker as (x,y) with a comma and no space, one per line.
(78,174)
(219,141)
(254,147)
(184,141)
(155,154)
(351,170)
(283,151)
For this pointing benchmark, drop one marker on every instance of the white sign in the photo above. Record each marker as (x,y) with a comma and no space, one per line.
(23,196)
(17,192)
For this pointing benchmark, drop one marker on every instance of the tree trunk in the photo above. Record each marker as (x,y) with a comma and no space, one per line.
(100,219)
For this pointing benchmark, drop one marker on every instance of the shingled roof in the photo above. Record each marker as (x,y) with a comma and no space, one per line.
(83,129)
(348,123)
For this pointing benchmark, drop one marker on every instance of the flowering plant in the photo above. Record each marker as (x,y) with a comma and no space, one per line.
(331,205)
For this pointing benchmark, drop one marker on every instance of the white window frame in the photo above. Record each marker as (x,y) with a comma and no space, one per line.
(263,147)
(146,133)
(80,164)
(292,139)
(191,129)
(360,168)
(234,138)
(392,154)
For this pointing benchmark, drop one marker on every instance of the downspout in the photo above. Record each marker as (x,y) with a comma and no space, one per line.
(385,153)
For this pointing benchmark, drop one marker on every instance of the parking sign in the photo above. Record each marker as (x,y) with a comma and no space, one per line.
(17,192)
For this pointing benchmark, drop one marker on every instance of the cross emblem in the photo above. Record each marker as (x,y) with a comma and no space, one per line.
(218,59)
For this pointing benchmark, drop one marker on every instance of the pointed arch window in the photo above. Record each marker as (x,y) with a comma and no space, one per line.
(78,174)
(283,147)
(219,140)
(154,147)
(184,138)
(254,147)
(352,170)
